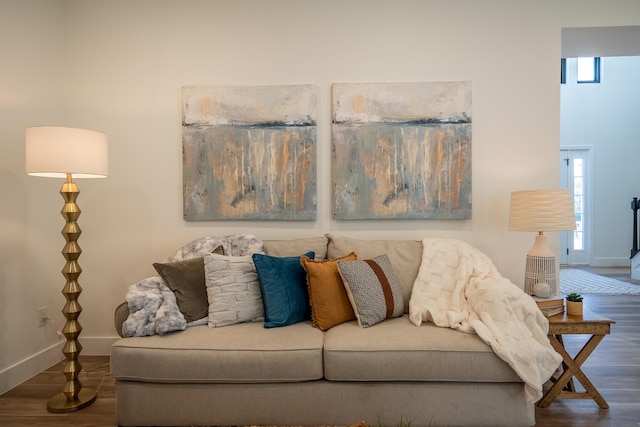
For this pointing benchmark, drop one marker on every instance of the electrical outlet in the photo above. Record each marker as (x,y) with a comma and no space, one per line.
(43,316)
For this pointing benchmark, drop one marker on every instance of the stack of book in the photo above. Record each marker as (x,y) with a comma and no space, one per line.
(551,307)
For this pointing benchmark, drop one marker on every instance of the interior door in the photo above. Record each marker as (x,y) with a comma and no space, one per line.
(575,174)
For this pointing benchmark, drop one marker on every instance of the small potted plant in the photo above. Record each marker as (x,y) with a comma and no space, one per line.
(574,304)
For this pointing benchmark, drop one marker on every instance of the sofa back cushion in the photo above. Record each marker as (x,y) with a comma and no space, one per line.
(405,257)
(295,247)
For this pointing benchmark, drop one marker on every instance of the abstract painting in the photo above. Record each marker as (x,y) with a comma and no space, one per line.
(401,150)
(249,152)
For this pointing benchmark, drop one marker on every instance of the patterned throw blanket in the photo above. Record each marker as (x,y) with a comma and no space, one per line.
(152,305)
(459,287)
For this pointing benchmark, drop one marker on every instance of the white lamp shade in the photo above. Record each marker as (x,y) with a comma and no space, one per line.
(57,151)
(541,210)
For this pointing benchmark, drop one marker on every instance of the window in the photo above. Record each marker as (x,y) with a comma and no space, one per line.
(563,70)
(578,203)
(589,70)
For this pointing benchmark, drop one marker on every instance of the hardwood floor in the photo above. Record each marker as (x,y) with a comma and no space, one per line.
(614,368)
(26,404)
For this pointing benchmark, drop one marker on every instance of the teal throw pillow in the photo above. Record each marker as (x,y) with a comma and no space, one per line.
(283,282)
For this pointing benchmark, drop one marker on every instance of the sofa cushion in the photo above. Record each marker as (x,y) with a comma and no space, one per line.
(372,288)
(293,247)
(397,350)
(405,257)
(233,290)
(330,304)
(283,282)
(240,353)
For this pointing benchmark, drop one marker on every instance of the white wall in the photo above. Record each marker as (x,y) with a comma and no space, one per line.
(600,41)
(31,48)
(118,67)
(604,116)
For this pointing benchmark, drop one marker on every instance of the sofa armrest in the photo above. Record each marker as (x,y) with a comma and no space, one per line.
(120,315)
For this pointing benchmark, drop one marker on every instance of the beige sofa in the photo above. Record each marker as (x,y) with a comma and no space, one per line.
(245,374)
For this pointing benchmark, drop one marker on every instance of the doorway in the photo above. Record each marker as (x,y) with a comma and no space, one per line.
(575,174)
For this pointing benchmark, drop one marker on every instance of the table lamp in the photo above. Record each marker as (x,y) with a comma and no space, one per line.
(60,152)
(541,210)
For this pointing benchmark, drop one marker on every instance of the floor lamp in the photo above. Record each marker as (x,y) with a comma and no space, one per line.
(68,153)
(540,211)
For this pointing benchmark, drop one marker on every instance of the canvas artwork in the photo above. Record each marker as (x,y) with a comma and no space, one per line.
(401,150)
(249,153)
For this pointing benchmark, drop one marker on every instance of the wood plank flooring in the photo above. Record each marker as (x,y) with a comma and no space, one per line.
(26,404)
(614,368)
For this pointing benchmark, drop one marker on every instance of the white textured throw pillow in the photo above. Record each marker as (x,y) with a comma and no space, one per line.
(233,290)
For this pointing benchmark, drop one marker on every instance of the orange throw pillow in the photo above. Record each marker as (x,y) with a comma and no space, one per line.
(330,304)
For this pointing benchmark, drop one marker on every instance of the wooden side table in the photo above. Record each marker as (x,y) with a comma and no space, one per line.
(562,324)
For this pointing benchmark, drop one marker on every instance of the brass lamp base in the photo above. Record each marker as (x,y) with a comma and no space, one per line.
(73,396)
(59,403)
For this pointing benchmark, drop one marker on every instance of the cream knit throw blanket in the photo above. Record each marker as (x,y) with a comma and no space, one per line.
(459,287)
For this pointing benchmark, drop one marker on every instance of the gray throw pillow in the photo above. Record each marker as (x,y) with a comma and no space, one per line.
(373,289)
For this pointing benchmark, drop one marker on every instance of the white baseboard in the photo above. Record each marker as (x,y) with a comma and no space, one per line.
(32,366)
(610,262)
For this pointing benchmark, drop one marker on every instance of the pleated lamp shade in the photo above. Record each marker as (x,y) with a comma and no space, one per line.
(541,210)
